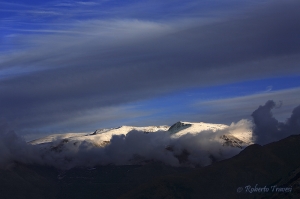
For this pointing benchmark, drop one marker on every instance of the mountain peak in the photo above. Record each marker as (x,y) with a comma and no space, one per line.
(178,126)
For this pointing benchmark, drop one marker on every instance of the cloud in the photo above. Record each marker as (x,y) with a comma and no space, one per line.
(90,3)
(266,126)
(136,147)
(118,61)
(267,129)
(13,148)
(293,122)
(232,109)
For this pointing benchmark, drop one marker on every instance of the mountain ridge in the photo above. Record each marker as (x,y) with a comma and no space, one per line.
(178,129)
(182,144)
(274,164)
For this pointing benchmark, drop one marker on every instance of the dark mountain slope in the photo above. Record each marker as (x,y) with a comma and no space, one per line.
(277,164)
(261,165)
(23,181)
(107,182)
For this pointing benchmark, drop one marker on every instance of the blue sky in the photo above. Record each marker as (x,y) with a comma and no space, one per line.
(76,66)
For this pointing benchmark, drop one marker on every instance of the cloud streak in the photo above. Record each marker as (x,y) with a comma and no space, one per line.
(232,109)
(114,62)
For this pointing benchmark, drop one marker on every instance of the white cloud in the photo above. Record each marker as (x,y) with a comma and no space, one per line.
(133,148)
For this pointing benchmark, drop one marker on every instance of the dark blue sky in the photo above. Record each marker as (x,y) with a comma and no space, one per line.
(75,66)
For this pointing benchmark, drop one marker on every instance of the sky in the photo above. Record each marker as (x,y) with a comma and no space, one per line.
(77,66)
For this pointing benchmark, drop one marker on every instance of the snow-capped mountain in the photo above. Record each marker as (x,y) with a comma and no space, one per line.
(54,137)
(235,137)
(102,137)
(182,144)
(99,137)
(180,128)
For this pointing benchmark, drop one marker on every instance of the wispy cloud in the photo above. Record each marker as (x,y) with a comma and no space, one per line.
(98,63)
(233,109)
(87,3)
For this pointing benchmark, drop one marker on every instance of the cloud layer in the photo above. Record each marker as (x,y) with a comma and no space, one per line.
(108,62)
(136,147)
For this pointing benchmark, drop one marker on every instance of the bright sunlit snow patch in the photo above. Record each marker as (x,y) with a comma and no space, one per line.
(182,144)
(182,128)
